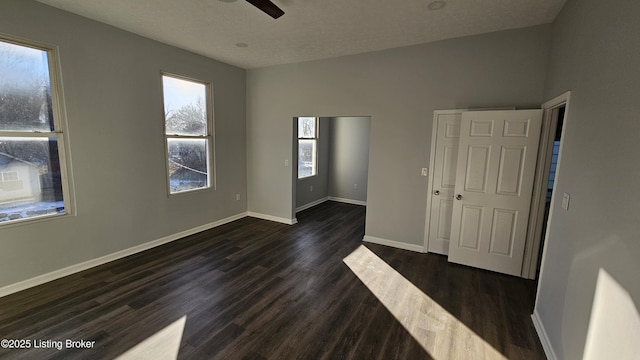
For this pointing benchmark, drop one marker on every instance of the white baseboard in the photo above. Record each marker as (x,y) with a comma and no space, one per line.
(57,274)
(544,338)
(273,218)
(439,247)
(311,204)
(395,244)
(348,201)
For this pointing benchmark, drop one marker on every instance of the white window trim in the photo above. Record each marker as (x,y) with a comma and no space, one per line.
(60,124)
(315,139)
(211,177)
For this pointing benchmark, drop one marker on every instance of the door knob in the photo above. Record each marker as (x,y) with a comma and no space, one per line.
(458,197)
(437,192)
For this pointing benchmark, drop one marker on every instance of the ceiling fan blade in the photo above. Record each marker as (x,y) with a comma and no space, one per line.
(268,7)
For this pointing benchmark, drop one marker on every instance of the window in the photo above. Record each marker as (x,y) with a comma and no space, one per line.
(188,133)
(32,166)
(9,176)
(307,146)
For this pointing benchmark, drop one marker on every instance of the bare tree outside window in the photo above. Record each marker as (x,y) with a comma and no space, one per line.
(30,135)
(188,134)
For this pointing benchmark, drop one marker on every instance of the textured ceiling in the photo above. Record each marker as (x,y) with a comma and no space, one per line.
(310,29)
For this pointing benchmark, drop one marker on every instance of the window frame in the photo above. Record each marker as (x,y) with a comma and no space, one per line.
(58,134)
(209,137)
(316,129)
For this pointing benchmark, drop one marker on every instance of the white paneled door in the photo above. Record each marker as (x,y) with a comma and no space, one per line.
(447,128)
(493,185)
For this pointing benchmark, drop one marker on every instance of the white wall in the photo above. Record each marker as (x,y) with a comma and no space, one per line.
(399,89)
(349,157)
(595,54)
(113,97)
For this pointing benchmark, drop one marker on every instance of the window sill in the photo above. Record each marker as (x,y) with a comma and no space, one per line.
(191,191)
(32,220)
(307,177)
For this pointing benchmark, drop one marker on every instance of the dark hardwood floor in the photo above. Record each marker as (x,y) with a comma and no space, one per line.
(254,289)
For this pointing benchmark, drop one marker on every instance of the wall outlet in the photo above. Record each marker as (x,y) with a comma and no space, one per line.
(310,187)
(355,186)
(286,162)
(565,201)
(237,197)
(425,171)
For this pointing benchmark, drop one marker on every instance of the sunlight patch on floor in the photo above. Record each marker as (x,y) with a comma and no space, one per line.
(163,345)
(435,329)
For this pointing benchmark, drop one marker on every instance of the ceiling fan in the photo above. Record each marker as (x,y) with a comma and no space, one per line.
(268,7)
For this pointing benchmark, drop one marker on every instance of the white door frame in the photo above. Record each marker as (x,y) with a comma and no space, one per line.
(536,216)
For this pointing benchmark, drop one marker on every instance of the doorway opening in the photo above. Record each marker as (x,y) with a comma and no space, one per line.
(556,135)
(545,189)
(332,156)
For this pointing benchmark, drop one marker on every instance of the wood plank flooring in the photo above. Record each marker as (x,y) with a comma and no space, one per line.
(254,289)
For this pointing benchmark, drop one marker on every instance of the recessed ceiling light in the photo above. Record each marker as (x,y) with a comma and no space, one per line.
(242,45)
(435,5)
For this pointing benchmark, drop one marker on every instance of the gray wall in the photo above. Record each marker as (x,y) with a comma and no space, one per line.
(400,89)
(319,182)
(349,157)
(595,54)
(112,90)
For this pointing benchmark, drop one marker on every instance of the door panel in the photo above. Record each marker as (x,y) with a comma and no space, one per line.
(444,223)
(471,227)
(477,168)
(502,231)
(495,171)
(450,160)
(516,128)
(481,128)
(510,170)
